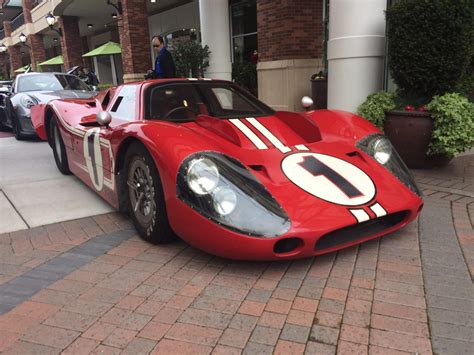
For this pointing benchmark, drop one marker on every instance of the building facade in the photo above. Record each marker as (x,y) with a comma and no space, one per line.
(271,46)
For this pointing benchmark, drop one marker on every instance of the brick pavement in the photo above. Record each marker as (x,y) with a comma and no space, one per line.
(409,292)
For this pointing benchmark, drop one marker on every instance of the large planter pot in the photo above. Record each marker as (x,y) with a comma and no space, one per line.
(319,92)
(410,134)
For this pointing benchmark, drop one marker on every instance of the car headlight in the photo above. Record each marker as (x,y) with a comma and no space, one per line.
(28,101)
(223,190)
(379,147)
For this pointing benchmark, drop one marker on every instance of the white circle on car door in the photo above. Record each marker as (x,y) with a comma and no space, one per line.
(93,157)
(329,178)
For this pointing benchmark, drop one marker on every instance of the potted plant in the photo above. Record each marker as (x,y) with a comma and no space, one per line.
(426,59)
(319,90)
(191,59)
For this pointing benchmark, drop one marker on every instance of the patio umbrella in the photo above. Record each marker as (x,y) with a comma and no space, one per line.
(24,69)
(110,48)
(53,61)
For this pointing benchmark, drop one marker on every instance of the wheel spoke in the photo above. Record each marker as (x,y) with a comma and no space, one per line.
(139,200)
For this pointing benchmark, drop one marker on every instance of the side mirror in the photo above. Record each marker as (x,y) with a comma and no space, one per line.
(306,102)
(103,118)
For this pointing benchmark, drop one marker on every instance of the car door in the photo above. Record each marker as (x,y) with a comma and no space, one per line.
(95,148)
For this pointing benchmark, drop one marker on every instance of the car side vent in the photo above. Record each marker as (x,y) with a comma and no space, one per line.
(359,231)
(91,104)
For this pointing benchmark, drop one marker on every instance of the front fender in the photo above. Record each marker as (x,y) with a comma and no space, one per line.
(336,125)
(37,114)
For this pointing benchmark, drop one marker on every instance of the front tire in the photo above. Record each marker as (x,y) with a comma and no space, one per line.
(145,199)
(59,149)
(16,128)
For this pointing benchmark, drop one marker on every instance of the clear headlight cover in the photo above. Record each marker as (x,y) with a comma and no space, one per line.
(28,101)
(223,190)
(379,147)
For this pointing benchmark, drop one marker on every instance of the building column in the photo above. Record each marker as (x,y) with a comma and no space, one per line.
(214,18)
(356,51)
(134,40)
(71,43)
(290,40)
(35,41)
(14,52)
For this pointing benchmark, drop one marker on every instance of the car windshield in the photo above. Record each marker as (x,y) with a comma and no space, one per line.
(184,101)
(56,82)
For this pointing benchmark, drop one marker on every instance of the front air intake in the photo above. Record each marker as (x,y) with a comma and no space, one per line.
(359,231)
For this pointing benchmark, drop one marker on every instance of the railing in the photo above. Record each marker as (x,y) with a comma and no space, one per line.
(2,33)
(35,3)
(17,22)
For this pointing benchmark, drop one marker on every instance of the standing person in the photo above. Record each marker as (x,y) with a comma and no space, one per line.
(164,64)
(91,78)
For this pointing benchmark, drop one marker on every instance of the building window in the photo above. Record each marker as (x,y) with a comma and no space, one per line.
(244,30)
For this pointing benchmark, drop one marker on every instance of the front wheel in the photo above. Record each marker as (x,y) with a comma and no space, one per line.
(59,149)
(16,128)
(145,198)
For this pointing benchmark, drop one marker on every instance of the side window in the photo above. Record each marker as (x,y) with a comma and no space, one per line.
(124,105)
(175,102)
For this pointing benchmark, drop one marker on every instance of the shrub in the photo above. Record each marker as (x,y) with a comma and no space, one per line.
(245,74)
(375,106)
(429,45)
(105,86)
(191,59)
(453,124)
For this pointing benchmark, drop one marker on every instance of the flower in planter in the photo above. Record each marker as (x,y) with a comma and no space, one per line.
(409,108)
(318,76)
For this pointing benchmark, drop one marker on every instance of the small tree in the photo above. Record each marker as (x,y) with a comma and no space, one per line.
(191,59)
(430,45)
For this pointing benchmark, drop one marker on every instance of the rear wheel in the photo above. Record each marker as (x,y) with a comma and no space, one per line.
(59,150)
(145,198)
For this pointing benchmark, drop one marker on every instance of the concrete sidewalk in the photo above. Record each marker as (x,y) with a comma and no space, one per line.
(33,192)
(92,286)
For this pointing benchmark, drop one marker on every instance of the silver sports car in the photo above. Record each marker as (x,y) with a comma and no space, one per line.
(31,89)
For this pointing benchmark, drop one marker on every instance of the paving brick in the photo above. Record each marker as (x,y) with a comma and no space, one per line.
(265,335)
(169,346)
(225,350)
(295,333)
(320,348)
(451,331)
(356,319)
(328,319)
(225,292)
(152,308)
(357,305)
(50,336)
(7,339)
(139,346)
(284,347)
(194,333)
(305,304)
(119,338)
(326,335)
(216,304)
(272,320)
(346,347)
(252,308)
(397,341)
(256,348)
(452,304)
(451,346)
(81,346)
(135,321)
(99,331)
(167,315)
(452,317)
(399,311)
(70,320)
(24,347)
(282,293)
(300,318)
(332,306)
(35,310)
(130,302)
(377,350)
(399,325)
(205,318)
(278,306)
(235,338)
(154,330)
(355,334)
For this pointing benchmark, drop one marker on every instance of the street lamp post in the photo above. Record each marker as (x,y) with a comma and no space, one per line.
(51,20)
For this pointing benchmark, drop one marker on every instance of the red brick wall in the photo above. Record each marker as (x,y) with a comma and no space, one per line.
(71,43)
(134,37)
(15,58)
(26,10)
(37,52)
(289,29)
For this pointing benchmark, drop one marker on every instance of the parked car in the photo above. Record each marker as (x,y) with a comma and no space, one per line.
(31,89)
(207,161)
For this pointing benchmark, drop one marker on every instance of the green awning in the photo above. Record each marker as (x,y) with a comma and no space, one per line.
(53,61)
(23,69)
(109,48)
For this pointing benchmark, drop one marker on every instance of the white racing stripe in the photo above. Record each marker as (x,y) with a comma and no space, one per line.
(301,147)
(248,133)
(378,210)
(360,215)
(269,135)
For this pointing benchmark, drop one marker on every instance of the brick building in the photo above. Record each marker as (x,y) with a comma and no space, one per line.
(285,36)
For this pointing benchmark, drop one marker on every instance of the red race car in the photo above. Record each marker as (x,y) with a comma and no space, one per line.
(205,160)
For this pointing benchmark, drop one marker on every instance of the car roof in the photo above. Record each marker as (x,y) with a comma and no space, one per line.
(43,73)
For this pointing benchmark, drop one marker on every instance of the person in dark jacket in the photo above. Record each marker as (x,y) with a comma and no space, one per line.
(164,64)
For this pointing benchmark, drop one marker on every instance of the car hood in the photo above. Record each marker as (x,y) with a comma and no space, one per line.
(46,96)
